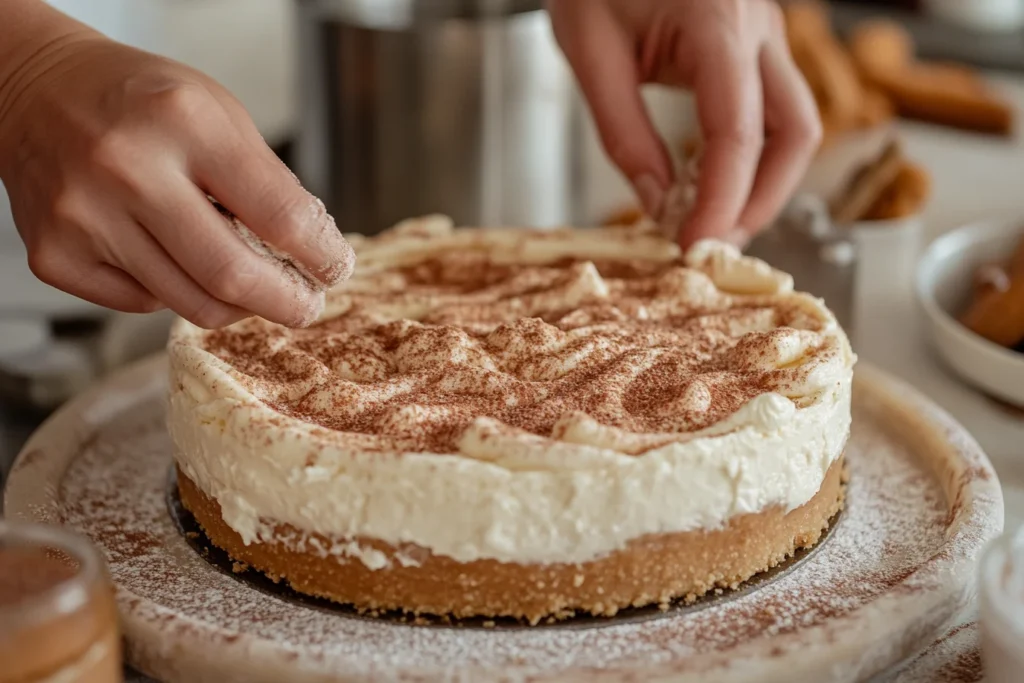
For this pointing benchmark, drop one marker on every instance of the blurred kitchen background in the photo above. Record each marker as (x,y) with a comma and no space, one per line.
(392,108)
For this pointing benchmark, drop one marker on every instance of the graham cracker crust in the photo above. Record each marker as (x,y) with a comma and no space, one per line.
(653,569)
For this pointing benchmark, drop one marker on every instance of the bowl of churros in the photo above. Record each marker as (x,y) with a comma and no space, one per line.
(970,283)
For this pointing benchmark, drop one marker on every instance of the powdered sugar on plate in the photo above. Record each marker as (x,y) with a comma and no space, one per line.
(922,500)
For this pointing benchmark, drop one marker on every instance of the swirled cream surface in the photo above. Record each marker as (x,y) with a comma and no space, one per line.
(525,396)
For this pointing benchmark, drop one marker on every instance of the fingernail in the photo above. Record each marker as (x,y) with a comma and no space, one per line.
(651,195)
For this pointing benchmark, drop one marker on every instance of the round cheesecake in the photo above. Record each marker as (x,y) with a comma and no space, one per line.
(519,423)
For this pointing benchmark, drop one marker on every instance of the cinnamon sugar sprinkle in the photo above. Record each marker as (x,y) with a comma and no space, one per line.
(325,240)
(419,351)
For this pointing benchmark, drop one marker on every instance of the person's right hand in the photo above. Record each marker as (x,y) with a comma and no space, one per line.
(109,155)
(757,115)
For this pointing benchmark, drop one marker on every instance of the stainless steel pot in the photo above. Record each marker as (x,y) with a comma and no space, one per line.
(410,107)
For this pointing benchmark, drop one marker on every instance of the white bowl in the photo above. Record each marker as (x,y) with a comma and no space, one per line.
(1001,609)
(944,282)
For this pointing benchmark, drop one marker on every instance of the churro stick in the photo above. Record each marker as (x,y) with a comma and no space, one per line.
(825,63)
(905,195)
(999,315)
(805,61)
(867,185)
(879,46)
(939,93)
(875,109)
(953,75)
(980,112)
(830,132)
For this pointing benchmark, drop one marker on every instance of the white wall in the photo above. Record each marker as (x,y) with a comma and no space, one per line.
(245,44)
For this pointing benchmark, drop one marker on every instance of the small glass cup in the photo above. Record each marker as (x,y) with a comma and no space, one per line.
(1001,589)
(58,618)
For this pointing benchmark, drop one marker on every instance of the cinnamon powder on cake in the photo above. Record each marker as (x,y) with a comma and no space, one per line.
(522,345)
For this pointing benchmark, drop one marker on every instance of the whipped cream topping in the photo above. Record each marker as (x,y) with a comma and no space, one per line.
(518,395)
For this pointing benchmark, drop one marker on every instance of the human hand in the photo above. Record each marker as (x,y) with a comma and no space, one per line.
(758,118)
(109,155)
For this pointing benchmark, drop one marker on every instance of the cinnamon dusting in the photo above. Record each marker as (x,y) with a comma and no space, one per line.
(426,348)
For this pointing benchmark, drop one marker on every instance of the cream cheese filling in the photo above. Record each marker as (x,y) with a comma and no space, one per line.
(498,501)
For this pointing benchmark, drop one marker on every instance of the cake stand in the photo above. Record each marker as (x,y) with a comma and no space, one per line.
(922,501)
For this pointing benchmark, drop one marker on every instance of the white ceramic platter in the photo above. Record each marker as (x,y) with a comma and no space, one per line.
(922,501)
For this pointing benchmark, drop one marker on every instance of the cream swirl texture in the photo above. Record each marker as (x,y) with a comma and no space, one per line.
(518,395)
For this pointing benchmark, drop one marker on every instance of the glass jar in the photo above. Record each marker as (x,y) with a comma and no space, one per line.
(58,618)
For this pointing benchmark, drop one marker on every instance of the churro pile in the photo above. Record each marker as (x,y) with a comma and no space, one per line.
(875,75)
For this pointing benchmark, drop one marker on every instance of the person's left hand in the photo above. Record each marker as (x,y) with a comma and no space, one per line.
(110,156)
(758,117)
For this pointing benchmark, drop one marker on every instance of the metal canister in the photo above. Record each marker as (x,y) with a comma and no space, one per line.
(463,107)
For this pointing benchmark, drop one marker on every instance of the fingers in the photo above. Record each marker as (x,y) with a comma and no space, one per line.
(242,173)
(93,281)
(794,132)
(729,106)
(146,261)
(605,64)
(113,288)
(202,242)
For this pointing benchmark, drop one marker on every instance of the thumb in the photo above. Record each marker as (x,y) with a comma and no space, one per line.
(602,56)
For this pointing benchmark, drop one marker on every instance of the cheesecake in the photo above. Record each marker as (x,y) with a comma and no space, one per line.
(519,423)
